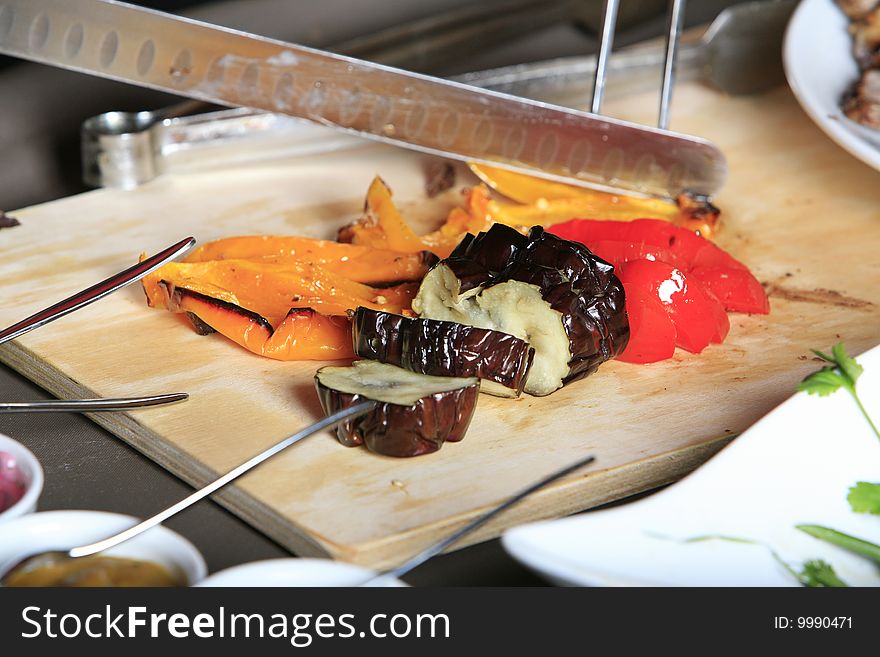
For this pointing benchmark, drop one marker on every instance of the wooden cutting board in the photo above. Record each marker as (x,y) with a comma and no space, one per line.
(803,214)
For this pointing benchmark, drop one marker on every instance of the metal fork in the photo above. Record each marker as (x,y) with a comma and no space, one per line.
(673,35)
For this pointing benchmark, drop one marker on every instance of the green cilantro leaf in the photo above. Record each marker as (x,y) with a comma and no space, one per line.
(847,363)
(823,382)
(819,573)
(843,372)
(864,497)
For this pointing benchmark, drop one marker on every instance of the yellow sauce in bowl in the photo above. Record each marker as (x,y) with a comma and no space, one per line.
(93,571)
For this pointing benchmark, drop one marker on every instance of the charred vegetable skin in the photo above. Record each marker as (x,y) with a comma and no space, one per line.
(588,299)
(500,360)
(404,426)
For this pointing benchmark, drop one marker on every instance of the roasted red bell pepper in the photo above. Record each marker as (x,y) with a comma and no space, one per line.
(689,277)
(699,318)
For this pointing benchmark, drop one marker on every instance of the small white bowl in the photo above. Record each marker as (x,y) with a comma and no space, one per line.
(29,466)
(53,530)
(296,572)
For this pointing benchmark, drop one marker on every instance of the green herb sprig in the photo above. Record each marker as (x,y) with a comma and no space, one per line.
(843,372)
(863,497)
(819,574)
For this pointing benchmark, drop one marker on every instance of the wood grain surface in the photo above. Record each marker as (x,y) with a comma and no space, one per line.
(803,214)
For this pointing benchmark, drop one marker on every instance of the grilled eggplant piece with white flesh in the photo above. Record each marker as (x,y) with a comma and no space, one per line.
(428,346)
(414,414)
(553,293)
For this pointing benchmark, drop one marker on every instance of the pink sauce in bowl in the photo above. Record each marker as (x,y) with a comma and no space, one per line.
(13,482)
(21,480)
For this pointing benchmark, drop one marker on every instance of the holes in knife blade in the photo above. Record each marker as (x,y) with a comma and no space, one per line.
(646,172)
(250,79)
(181,67)
(216,71)
(283,95)
(352,101)
(109,48)
(39,32)
(613,165)
(514,142)
(416,120)
(6,16)
(579,156)
(316,97)
(547,150)
(73,40)
(146,56)
(381,114)
(482,135)
(448,130)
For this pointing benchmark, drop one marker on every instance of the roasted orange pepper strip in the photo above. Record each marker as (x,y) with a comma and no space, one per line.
(473,218)
(357,263)
(383,227)
(303,334)
(271,290)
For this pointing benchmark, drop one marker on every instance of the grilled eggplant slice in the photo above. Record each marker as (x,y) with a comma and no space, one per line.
(415,414)
(553,293)
(427,346)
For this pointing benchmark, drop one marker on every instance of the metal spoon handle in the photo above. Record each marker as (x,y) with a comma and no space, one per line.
(98,291)
(162,516)
(90,405)
(438,547)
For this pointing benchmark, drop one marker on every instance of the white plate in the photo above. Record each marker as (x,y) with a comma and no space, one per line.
(820,67)
(794,466)
(296,572)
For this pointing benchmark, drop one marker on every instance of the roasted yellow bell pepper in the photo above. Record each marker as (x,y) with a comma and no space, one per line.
(544,202)
(357,263)
(303,334)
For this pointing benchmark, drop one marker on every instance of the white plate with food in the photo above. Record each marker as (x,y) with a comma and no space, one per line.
(733,521)
(821,69)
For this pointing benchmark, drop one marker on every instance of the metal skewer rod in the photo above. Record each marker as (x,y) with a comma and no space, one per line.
(97,291)
(436,548)
(162,516)
(673,36)
(90,405)
(609,20)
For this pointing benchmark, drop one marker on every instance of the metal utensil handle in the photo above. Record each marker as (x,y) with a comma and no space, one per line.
(609,20)
(188,143)
(441,117)
(97,291)
(479,521)
(159,518)
(562,73)
(90,405)
(673,35)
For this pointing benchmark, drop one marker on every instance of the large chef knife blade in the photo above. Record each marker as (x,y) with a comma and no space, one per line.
(188,58)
